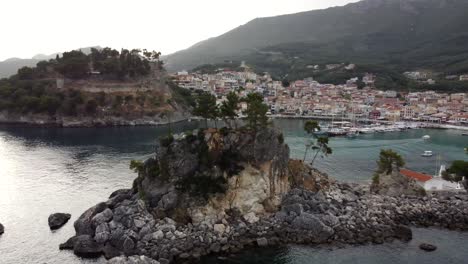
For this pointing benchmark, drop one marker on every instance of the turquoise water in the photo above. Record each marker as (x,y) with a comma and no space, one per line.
(355,159)
(48,170)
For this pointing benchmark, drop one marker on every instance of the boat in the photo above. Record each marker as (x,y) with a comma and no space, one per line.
(464,134)
(427,153)
(426,137)
(334,132)
(366,130)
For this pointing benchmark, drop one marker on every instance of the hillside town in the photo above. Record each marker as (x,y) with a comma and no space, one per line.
(345,101)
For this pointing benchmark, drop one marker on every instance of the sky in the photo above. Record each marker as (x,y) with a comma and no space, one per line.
(31,27)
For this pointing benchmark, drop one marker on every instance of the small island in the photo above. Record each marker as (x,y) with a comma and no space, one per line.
(105,87)
(222,190)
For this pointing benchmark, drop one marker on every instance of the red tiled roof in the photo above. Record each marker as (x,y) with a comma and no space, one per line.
(416,175)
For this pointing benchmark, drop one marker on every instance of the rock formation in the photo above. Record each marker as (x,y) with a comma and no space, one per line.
(201,175)
(220,191)
(427,247)
(394,184)
(57,220)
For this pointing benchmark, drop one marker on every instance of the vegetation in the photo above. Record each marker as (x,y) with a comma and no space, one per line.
(457,171)
(229,109)
(256,112)
(206,107)
(136,166)
(35,89)
(387,159)
(319,144)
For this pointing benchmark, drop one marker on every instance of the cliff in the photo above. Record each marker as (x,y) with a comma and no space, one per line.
(201,175)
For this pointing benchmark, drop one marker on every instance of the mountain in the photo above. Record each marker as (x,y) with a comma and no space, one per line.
(10,66)
(403,34)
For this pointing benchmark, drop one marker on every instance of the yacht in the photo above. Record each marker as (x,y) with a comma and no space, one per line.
(426,137)
(427,153)
(336,132)
(366,130)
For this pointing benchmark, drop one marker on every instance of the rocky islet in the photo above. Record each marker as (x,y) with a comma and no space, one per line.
(326,212)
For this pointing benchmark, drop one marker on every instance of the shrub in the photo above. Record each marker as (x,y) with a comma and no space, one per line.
(136,166)
(281,138)
(166,141)
(376,179)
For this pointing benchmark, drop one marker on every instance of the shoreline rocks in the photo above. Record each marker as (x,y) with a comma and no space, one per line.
(345,215)
(58,220)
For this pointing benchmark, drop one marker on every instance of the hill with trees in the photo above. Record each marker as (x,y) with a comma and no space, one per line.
(103,87)
(387,37)
(10,66)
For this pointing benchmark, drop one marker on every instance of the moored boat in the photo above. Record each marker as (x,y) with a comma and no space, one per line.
(427,153)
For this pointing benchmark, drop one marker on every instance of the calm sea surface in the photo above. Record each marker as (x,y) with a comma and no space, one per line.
(48,170)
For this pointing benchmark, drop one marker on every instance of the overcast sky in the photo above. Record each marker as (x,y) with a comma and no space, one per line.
(30,27)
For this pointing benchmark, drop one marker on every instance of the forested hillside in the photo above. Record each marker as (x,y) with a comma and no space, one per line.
(381,36)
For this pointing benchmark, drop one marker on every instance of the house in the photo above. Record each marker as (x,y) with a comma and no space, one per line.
(464,77)
(430,183)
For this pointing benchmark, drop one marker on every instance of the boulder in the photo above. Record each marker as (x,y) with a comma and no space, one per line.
(57,220)
(83,225)
(403,233)
(110,251)
(69,244)
(219,228)
(86,247)
(158,235)
(319,231)
(102,217)
(427,247)
(2,229)
(102,233)
(297,208)
(262,242)
(251,218)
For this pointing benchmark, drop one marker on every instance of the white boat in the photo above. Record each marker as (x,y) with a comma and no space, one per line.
(426,137)
(336,132)
(366,130)
(427,153)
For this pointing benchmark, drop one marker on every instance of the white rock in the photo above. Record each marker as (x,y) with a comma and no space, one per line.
(219,228)
(251,218)
(158,235)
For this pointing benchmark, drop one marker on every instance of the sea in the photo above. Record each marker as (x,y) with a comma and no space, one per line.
(48,170)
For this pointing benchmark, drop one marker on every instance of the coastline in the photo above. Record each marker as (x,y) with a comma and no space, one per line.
(420,124)
(35,120)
